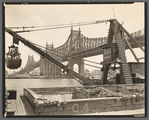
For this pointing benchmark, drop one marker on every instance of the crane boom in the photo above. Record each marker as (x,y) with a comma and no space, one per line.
(84,81)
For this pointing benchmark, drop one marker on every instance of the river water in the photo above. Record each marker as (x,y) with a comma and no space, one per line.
(19,84)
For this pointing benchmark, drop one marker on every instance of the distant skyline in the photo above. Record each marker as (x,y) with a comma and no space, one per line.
(42,15)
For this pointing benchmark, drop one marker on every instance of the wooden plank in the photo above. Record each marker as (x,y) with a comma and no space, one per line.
(27,106)
(13,104)
(24,104)
(20,107)
(16,113)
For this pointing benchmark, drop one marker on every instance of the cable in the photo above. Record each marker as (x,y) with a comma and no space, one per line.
(54,28)
(76,60)
(60,69)
(70,57)
(68,73)
(48,25)
(64,26)
(47,60)
(65,54)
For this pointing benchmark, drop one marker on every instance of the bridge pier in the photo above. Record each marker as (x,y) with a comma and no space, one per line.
(79,62)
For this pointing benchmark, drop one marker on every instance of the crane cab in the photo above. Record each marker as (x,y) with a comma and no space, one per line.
(110,53)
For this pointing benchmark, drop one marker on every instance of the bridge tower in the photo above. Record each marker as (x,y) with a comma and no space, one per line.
(72,61)
(47,68)
(30,62)
(79,62)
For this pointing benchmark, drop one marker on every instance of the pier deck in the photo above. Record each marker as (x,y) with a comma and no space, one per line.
(20,106)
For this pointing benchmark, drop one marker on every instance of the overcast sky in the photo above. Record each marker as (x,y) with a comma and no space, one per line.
(42,15)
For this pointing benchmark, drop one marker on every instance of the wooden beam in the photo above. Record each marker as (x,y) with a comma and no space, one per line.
(132,50)
(129,35)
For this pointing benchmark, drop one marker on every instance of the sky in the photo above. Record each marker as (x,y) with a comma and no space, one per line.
(53,14)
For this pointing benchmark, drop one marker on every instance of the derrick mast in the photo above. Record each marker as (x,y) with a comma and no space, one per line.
(114,52)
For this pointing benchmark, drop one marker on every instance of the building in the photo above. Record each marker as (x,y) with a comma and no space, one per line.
(47,68)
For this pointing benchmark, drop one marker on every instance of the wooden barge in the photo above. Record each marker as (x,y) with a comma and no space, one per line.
(89,100)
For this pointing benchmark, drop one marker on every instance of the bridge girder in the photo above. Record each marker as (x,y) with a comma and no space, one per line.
(80,46)
(93,52)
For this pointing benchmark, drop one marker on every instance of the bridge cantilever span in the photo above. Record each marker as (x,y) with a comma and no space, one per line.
(77,45)
(80,46)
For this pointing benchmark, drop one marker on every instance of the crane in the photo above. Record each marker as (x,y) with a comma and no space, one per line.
(82,80)
(115,38)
